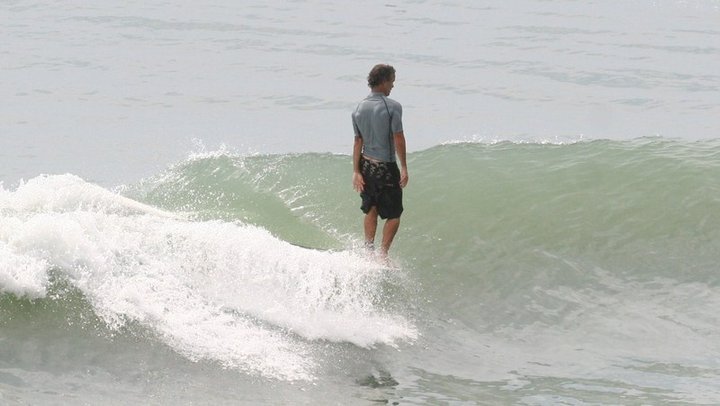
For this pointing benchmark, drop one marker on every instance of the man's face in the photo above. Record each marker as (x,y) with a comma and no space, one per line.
(388,85)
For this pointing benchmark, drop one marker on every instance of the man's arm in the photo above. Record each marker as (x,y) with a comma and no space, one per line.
(357,179)
(399,139)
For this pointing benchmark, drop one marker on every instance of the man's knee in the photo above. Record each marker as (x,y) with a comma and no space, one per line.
(371,217)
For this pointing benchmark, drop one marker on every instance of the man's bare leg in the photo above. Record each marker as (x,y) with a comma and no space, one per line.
(371,219)
(389,231)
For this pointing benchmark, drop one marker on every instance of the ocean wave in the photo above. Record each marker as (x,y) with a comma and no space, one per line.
(219,290)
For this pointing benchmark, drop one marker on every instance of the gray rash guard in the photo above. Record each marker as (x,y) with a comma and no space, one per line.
(372,123)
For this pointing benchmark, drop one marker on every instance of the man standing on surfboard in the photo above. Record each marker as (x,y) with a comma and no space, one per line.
(379,137)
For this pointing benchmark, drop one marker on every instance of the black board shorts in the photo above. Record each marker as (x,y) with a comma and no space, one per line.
(382,188)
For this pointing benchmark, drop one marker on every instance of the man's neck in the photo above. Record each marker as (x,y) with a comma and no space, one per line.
(378,89)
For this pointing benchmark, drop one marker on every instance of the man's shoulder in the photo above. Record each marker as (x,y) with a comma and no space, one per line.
(366,101)
(359,107)
(394,104)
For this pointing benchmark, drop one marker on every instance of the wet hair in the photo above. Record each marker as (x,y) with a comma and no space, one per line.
(379,74)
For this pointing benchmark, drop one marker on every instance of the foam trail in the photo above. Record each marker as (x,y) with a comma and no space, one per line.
(211,290)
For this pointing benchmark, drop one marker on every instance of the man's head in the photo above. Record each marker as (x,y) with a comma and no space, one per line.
(382,78)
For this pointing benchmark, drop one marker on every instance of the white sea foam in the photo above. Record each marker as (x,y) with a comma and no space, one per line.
(214,290)
(495,139)
(22,275)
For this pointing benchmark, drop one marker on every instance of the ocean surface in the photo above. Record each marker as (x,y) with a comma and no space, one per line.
(178,225)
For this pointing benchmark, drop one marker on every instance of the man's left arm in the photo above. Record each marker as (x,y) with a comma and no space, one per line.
(399,139)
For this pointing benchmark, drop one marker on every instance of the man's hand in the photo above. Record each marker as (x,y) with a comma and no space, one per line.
(404,178)
(358,182)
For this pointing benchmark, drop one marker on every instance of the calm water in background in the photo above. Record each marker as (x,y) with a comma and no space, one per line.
(570,147)
(90,89)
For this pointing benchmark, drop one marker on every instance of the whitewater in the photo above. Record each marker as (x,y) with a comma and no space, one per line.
(201,286)
(178,226)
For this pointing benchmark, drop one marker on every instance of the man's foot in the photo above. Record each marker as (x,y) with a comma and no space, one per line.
(369,246)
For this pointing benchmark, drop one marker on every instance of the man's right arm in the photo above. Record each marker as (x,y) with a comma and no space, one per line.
(357,180)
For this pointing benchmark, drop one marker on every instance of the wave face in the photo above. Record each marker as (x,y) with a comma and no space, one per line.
(643,209)
(590,260)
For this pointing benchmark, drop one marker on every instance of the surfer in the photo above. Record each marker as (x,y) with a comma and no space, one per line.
(379,137)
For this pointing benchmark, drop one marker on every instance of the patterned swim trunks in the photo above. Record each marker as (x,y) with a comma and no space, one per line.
(382,188)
